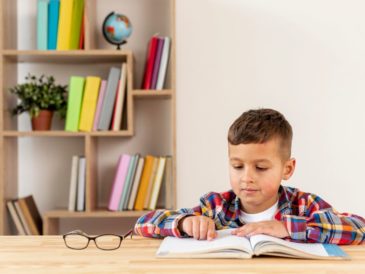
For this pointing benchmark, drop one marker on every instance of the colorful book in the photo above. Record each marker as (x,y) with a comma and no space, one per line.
(163,64)
(76,23)
(89,102)
(99,104)
(128,182)
(135,185)
(53,16)
(156,65)
(119,181)
(151,55)
(31,214)
(75,94)
(42,24)
(157,183)
(143,186)
(15,217)
(109,98)
(120,98)
(227,245)
(64,25)
(151,182)
(72,201)
(81,184)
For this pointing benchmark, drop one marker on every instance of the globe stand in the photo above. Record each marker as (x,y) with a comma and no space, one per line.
(120,44)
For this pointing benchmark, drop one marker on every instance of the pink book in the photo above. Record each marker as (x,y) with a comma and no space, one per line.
(100,103)
(119,180)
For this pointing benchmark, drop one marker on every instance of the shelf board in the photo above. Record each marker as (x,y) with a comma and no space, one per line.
(58,214)
(61,133)
(152,94)
(66,56)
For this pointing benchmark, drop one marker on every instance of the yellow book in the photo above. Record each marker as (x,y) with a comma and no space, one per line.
(157,183)
(89,103)
(64,24)
(142,190)
(150,183)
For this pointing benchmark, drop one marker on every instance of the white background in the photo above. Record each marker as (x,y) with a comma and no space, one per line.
(303,58)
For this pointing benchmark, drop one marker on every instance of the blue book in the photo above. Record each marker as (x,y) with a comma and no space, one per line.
(42,24)
(53,15)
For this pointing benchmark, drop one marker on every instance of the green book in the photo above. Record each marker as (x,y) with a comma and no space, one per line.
(75,94)
(76,23)
(127,183)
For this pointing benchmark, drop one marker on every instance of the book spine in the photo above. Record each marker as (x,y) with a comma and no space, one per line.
(75,96)
(163,65)
(136,182)
(156,65)
(64,25)
(76,23)
(42,24)
(81,184)
(73,184)
(157,184)
(100,102)
(150,62)
(117,118)
(53,16)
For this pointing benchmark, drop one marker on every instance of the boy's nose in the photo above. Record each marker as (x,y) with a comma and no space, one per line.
(247,176)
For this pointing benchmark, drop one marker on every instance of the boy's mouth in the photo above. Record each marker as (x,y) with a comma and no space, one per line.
(249,190)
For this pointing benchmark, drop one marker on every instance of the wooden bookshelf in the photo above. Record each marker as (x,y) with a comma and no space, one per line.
(12,56)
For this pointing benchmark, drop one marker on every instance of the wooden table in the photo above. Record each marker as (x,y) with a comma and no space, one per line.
(47,254)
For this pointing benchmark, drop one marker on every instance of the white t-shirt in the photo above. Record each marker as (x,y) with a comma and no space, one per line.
(265,215)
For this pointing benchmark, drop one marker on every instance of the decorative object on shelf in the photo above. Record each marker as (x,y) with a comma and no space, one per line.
(40,97)
(116,29)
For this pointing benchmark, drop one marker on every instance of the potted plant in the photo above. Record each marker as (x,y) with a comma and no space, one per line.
(40,97)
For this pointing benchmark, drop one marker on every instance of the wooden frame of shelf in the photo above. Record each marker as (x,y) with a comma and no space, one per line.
(10,57)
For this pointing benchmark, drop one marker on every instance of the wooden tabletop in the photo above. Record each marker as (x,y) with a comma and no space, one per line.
(48,254)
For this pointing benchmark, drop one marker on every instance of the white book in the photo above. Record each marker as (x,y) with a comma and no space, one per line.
(163,64)
(15,217)
(232,246)
(81,185)
(73,183)
(136,181)
(157,183)
(120,97)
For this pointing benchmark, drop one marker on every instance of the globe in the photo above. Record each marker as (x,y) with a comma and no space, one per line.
(116,29)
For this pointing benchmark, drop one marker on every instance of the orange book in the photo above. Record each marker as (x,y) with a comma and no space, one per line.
(145,178)
(151,181)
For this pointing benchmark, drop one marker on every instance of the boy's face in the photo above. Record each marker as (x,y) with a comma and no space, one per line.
(256,171)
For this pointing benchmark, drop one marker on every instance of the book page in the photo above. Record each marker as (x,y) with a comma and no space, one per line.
(225,244)
(260,241)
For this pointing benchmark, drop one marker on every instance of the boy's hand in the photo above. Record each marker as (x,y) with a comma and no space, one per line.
(199,227)
(273,228)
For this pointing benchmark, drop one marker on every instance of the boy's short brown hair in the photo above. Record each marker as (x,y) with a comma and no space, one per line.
(259,126)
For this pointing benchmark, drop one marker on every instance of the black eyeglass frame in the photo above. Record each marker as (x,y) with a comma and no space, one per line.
(93,238)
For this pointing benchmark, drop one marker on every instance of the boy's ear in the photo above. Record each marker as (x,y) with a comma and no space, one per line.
(289,168)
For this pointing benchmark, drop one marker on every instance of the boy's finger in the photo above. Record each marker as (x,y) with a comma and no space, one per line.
(203,230)
(211,231)
(196,228)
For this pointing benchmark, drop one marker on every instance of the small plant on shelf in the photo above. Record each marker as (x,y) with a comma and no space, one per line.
(40,97)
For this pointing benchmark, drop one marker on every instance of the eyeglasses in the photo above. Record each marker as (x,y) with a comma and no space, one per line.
(78,240)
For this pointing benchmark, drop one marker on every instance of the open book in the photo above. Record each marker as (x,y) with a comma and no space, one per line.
(231,246)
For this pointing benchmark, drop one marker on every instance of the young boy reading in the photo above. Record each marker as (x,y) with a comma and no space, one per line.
(259,147)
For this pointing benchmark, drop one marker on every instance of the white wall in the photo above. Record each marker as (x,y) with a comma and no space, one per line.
(303,58)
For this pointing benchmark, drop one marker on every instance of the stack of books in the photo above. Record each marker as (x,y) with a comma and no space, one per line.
(142,183)
(60,24)
(25,215)
(156,64)
(96,104)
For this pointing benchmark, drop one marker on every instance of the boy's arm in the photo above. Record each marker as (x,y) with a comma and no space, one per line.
(319,222)
(162,223)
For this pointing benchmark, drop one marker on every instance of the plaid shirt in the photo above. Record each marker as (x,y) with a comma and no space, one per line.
(306,216)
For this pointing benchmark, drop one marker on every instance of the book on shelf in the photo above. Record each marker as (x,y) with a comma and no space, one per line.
(16,218)
(136,182)
(128,182)
(31,214)
(72,199)
(151,181)
(163,64)
(151,55)
(89,102)
(119,181)
(81,184)
(143,185)
(53,11)
(22,217)
(100,102)
(120,98)
(156,189)
(168,188)
(156,65)
(232,246)
(74,102)
(76,24)
(64,25)
(109,99)
(42,24)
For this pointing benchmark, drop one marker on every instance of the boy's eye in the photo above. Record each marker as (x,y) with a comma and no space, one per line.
(261,168)
(237,167)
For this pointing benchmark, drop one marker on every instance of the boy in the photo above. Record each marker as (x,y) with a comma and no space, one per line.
(259,147)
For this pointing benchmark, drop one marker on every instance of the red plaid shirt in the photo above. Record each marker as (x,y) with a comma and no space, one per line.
(306,216)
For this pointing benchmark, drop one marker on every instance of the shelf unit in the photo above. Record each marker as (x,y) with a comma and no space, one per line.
(11,57)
